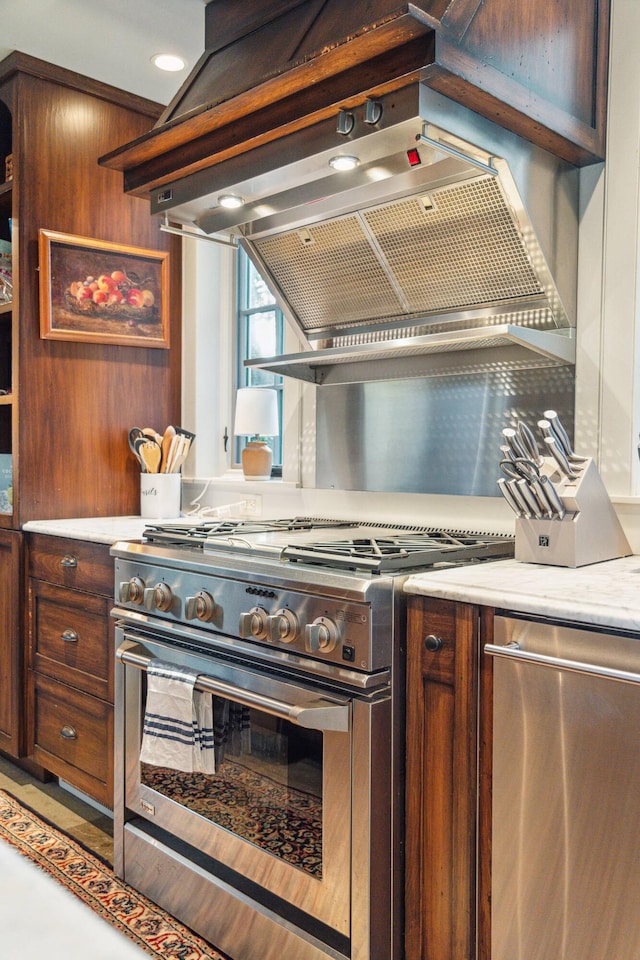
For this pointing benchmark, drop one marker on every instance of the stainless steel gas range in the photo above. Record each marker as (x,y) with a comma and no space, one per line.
(293,846)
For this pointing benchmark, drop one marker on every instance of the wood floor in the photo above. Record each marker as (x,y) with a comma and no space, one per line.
(84,822)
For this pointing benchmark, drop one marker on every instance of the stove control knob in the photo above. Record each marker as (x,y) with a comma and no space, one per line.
(132,591)
(254,624)
(201,607)
(321,636)
(283,626)
(159,597)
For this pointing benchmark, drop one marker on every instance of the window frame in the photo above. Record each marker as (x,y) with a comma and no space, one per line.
(244,314)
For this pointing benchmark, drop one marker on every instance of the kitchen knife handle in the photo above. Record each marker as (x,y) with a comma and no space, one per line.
(559,432)
(543,500)
(515,443)
(561,435)
(558,455)
(528,441)
(553,498)
(529,497)
(505,490)
(518,497)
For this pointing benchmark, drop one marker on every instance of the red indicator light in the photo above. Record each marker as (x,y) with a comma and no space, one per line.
(413,157)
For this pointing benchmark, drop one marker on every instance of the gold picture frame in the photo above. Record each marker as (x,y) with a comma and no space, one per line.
(95,291)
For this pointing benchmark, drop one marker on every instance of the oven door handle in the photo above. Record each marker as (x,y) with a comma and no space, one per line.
(315,714)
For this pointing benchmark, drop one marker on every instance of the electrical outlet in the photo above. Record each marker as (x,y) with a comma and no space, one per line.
(252,506)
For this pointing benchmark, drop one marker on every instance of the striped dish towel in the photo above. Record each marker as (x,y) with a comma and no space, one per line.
(178,721)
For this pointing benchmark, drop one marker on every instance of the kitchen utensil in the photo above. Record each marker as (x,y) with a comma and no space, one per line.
(183,449)
(515,487)
(552,497)
(558,455)
(173,453)
(135,434)
(561,435)
(526,489)
(528,443)
(508,495)
(150,453)
(546,496)
(507,452)
(167,437)
(512,438)
(516,483)
(544,489)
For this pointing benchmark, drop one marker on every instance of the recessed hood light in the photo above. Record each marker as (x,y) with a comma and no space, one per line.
(168,61)
(230,201)
(344,163)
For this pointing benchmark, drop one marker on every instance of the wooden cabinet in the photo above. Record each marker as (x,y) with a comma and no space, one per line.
(539,69)
(71,662)
(10,642)
(447,789)
(69,404)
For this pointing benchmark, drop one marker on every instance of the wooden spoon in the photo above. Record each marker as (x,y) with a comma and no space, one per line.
(150,453)
(167,437)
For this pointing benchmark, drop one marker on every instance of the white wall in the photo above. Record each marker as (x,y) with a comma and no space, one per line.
(207,305)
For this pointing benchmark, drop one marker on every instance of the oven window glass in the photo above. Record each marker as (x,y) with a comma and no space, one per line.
(267,787)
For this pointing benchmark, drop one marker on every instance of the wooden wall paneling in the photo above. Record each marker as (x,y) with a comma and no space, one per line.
(11,657)
(78,400)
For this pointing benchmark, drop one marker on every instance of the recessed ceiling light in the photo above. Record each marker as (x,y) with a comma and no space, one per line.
(231,201)
(344,163)
(167,61)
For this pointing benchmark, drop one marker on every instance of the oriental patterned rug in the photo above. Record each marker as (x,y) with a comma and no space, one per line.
(283,820)
(93,882)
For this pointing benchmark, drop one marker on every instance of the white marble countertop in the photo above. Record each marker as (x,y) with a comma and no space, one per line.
(606,594)
(94,529)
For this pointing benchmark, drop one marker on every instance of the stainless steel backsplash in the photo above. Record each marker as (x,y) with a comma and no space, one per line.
(436,435)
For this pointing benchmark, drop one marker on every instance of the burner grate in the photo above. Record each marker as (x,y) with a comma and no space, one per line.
(389,553)
(376,547)
(197,533)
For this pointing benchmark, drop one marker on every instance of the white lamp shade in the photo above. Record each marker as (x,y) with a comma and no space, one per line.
(256,412)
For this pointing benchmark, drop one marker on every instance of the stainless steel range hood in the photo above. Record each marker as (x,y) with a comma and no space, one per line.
(451,245)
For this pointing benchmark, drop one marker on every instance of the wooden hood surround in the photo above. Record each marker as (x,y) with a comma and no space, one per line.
(272,67)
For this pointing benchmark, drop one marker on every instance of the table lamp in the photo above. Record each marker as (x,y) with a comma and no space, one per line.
(256,417)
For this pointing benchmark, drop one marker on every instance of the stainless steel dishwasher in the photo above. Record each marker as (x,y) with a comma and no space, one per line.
(566,793)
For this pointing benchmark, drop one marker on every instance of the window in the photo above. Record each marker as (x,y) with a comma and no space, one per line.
(259,333)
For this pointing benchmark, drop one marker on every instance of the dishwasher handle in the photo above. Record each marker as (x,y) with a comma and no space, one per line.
(316,714)
(513,652)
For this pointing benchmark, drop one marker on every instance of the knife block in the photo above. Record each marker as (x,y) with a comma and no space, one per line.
(590,532)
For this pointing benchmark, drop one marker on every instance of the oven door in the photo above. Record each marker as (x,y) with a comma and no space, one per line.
(275,818)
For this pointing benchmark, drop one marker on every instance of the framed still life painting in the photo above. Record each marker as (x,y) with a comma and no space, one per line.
(102,292)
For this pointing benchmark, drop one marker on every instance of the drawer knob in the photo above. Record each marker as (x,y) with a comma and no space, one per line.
(69,561)
(69,636)
(433,643)
(68,732)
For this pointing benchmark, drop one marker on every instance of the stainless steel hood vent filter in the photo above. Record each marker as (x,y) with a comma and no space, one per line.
(450,250)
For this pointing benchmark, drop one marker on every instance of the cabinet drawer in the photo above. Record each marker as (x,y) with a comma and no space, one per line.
(73,737)
(71,563)
(70,637)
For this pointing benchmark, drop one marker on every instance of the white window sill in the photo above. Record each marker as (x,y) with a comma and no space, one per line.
(235,478)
